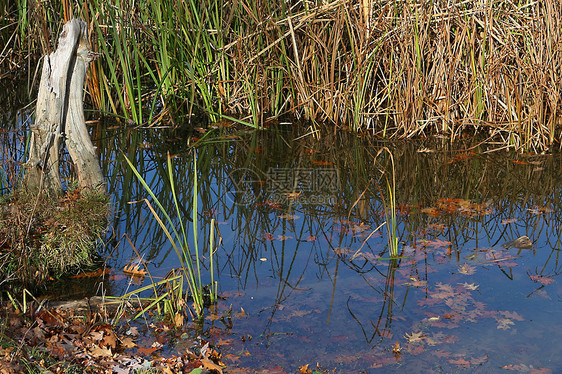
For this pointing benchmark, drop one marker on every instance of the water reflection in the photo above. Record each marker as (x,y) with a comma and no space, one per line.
(302,249)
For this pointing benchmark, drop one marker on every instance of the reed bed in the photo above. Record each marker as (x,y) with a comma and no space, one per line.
(398,69)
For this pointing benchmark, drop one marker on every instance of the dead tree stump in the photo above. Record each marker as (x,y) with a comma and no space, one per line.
(59,116)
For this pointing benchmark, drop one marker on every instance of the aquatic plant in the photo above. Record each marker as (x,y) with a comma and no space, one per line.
(389,202)
(175,296)
(398,69)
(47,238)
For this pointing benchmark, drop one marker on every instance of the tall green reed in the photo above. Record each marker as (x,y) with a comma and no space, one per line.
(389,202)
(175,231)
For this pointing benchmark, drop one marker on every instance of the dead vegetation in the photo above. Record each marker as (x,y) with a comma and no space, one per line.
(45,238)
(398,69)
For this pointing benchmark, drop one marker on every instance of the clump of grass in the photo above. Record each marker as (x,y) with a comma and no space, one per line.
(44,238)
(185,283)
(389,203)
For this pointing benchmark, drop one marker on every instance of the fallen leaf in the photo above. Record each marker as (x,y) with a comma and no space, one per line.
(461,362)
(208,364)
(109,340)
(522,242)
(97,351)
(128,342)
(147,351)
(541,279)
(504,323)
(417,283)
(134,270)
(469,286)
(433,212)
(466,269)
(512,315)
(178,319)
(415,337)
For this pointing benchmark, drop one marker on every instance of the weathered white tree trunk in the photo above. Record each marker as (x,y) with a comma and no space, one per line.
(60,116)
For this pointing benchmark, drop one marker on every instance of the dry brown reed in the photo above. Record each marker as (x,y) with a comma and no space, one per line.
(411,68)
(398,69)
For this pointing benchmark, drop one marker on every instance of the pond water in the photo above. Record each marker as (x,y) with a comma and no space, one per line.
(302,260)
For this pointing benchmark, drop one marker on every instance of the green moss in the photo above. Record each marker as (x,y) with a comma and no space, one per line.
(42,237)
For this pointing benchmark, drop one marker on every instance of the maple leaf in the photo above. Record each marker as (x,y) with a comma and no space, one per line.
(415,337)
(466,269)
(445,291)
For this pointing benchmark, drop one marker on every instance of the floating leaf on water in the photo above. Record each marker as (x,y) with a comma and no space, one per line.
(508,221)
(466,269)
(469,286)
(522,242)
(134,270)
(504,323)
(541,279)
(414,337)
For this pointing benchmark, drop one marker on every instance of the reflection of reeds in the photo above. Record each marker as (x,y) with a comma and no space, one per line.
(492,178)
(397,68)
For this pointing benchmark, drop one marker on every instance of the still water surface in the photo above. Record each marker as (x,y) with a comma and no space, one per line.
(302,263)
